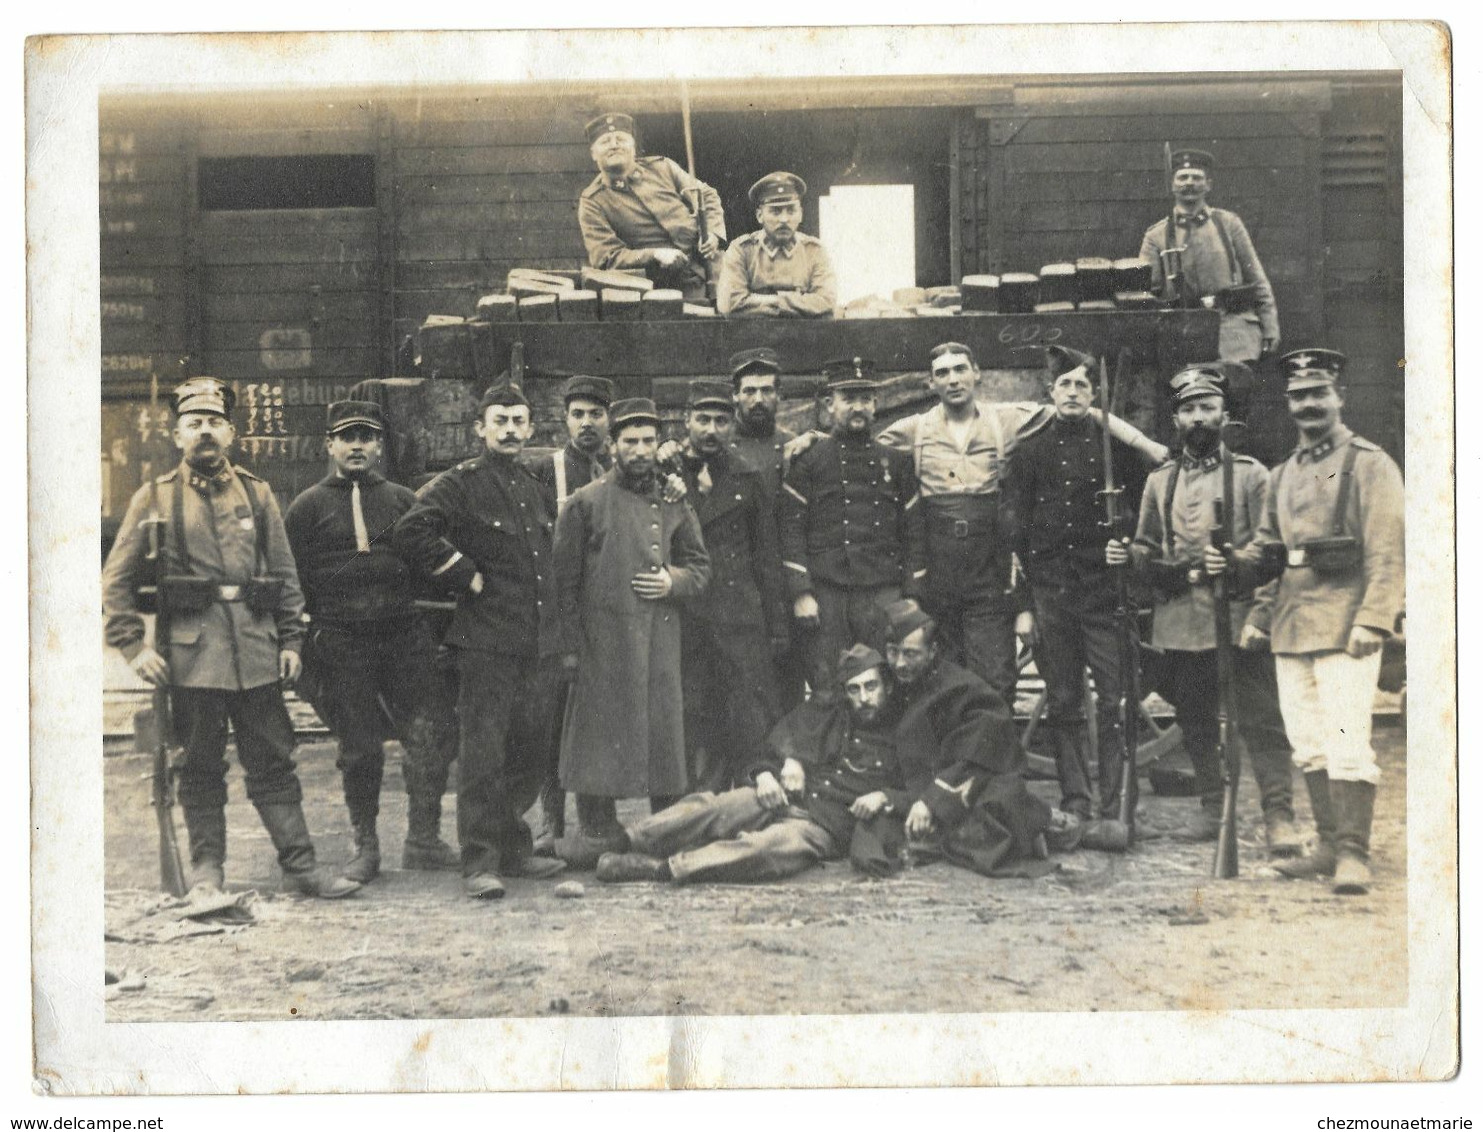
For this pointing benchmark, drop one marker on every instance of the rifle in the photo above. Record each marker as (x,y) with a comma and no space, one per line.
(1227,863)
(701,230)
(167,755)
(1129,698)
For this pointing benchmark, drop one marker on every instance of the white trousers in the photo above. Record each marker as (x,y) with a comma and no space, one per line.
(1327,700)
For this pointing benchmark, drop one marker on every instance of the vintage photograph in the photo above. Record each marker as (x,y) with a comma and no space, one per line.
(586,544)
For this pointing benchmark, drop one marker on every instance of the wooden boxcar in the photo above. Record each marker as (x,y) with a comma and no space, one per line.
(292,243)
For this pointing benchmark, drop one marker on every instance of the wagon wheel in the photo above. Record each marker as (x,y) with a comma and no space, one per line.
(1155,740)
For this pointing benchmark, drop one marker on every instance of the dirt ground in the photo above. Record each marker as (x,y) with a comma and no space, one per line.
(1145,931)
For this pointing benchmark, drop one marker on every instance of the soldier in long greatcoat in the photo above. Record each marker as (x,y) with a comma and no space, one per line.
(624,559)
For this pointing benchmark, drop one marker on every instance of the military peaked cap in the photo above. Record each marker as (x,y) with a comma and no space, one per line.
(610,123)
(204,395)
(777,186)
(598,389)
(1307,369)
(759,358)
(1202,380)
(705,391)
(850,373)
(634,410)
(1192,159)
(340,415)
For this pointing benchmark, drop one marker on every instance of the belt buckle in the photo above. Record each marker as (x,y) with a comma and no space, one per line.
(960,528)
(229,593)
(1297,556)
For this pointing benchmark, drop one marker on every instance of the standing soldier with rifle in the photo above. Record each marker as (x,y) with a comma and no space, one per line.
(1334,530)
(233,627)
(1175,523)
(1056,494)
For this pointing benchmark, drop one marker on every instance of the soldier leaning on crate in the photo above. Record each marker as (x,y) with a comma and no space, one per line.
(776,271)
(732,629)
(235,617)
(1175,523)
(1334,530)
(1218,265)
(639,213)
(367,645)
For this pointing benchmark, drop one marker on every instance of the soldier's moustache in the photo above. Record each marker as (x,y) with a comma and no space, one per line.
(1201,439)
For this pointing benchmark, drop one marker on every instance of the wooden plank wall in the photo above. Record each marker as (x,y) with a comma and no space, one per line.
(1048,175)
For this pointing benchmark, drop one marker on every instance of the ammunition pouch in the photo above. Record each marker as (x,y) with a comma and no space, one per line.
(186,593)
(262,595)
(1336,557)
(1240,299)
(1170,579)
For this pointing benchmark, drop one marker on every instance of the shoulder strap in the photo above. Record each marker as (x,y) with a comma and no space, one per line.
(916,448)
(1346,477)
(996,426)
(179,558)
(1169,232)
(1225,239)
(1168,532)
(558,465)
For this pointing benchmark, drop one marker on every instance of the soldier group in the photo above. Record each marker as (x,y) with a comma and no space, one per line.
(797,648)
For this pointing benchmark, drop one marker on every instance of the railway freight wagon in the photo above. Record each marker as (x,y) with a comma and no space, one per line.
(296,244)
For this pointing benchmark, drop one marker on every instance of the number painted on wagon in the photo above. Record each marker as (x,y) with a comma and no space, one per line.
(1029,334)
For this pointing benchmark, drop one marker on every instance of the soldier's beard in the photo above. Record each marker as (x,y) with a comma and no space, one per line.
(759,419)
(209,461)
(1201,440)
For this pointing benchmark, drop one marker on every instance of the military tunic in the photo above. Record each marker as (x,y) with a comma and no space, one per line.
(624,734)
(1175,524)
(1327,695)
(844,524)
(654,207)
(223,659)
(1208,268)
(764,453)
(225,646)
(762,279)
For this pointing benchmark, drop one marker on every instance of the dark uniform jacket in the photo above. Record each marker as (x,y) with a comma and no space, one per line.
(764,453)
(232,533)
(842,761)
(740,533)
(955,733)
(492,517)
(1056,518)
(579,470)
(844,515)
(340,583)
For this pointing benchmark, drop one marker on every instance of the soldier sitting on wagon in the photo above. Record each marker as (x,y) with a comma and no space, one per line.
(639,213)
(777,271)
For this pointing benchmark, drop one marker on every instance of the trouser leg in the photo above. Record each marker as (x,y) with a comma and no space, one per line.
(1192,686)
(698,819)
(200,716)
(1346,689)
(825,643)
(1259,721)
(351,665)
(265,744)
(876,845)
(1060,657)
(1107,645)
(989,649)
(597,816)
(867,615)
(705,701)
(497,775)
(745,687)
(782,849)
